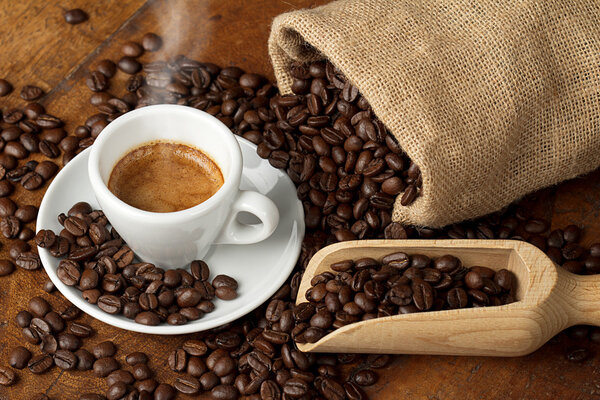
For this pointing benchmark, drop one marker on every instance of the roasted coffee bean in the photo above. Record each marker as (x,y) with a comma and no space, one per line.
(187,384)
(23,318)
(112,305)
(151,42)
(164,392)
(132,49)
(104,366)
(97,81)
(6,188)
(107,67)
(365,377)
(129,65)
(10,226)
(6,267)
(49,344)
(39,306)
(80,329)
(67,341)
(147,318)
(5,87)
(65,359)
(136,358)
(40,363)
(104,349)
(224,392)
(19,357)
(56,322)
(68,272)
(7,207)
(75,16)
(85,360)
(7,376)
(31,92)
(141,372)
(194,347)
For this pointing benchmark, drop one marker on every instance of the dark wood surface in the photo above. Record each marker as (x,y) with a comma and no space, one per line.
(37,47)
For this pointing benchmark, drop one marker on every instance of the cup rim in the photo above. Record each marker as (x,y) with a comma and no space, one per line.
(230,182)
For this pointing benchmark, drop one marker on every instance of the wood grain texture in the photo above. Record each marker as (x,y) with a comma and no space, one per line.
(38,48)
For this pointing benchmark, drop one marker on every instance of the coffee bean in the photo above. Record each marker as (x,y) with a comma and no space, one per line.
(116,391)
(187,384)
(129,65)
(10,226)
(6,267)
(224,392)
(141,372)
(147,318)
(39,306)
(136,358)
(68,272)
(151,42)
(365,377)
(85,360)
(23,318)
(26,213)
(226,293)
(7,207)
(104,349)
(132,49)
(177,360)
(40,363)
(164,391)
(75,16)
(19,357)
(70,313)
(7,376)
(31,92)
(67,341)
(5,87)
(107,68)
(80,329)
(65,359)
(119,375)
(104,366)
(55,321)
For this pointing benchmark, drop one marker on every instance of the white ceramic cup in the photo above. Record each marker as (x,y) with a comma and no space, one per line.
(174,239)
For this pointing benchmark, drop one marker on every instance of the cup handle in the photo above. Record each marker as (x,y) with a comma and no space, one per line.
(254,203)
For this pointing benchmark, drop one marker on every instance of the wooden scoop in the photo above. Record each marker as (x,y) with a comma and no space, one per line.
(549,299)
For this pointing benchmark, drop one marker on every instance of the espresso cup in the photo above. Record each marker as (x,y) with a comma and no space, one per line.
(174,239)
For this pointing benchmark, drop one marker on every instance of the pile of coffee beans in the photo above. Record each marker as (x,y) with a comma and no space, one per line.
(399,283)
(61,337)
(347,167)
(101,265)
(24,132)
(262,362)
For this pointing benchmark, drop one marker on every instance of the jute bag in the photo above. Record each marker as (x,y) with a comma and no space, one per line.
(492,99)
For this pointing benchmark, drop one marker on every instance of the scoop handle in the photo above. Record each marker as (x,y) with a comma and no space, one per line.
(579,296)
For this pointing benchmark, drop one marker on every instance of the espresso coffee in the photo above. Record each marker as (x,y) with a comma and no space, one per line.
(165,177)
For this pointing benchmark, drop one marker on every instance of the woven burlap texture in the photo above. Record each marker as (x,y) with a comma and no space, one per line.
(492,99)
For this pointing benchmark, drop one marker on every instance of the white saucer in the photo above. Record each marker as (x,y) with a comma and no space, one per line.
(259,268)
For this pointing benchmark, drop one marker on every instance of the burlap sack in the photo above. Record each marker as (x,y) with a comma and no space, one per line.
(491,98)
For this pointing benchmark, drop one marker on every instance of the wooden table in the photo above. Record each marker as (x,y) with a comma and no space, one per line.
(37,47)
